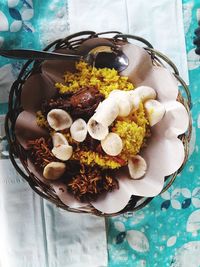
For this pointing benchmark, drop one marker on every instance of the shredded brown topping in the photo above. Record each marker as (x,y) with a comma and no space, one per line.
(40,152)
(90,183)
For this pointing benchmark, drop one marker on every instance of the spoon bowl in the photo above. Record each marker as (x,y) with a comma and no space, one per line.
(100,57)
(107,57)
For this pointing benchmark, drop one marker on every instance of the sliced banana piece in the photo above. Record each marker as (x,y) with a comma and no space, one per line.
(112,144)
(62,152)
(137,167)
(106,112)
(155,111)
(59,139)
(134,99)
(141,94)
(78,130)
(96,130)
(145,93)
(121,98)
(59,119)
(54,170)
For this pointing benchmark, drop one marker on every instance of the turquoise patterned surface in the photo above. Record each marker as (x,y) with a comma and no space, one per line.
(167,231)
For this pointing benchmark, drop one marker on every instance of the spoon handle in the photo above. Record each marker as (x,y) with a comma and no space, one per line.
(33,54)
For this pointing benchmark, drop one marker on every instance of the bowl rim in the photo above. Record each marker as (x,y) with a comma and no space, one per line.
(73,41)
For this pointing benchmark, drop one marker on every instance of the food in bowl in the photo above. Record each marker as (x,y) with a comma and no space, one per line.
(98,122)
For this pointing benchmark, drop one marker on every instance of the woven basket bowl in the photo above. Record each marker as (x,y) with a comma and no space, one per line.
(31,67)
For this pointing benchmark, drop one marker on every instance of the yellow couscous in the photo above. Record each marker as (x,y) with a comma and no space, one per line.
(104,80)
(132,130)
(41,120)
(92,158)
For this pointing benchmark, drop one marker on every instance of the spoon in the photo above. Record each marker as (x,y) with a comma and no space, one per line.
(100,57)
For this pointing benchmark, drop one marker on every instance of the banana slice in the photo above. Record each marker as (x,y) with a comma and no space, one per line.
(59,139)
(54,170)
(122,100)
(141,93)
(145,93)
(78,130)
(62,152)
(59,119)
(106,112)
(112,144)
(134,99)
(96,130)
(155,111)
(137,167)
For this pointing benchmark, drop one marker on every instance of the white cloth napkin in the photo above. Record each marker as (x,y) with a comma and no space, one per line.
(35,233)
(160,22)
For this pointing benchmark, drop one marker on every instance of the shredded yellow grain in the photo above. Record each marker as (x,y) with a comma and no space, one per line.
(138,116)
(41,120)
(64,89)
(105,80)
(92,158)
(132,130)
